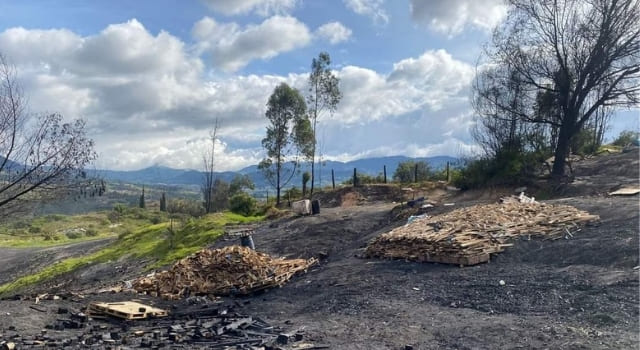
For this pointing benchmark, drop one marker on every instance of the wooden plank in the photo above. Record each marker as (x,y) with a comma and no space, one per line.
(626,191)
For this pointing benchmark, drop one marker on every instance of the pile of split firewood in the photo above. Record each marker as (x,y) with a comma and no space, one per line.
(469,235)
(229,270)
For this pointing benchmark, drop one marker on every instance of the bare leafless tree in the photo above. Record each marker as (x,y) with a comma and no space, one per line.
(41,158)
(585,54)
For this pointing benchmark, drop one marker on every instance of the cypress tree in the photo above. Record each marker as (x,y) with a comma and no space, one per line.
(142,204)
(163,202)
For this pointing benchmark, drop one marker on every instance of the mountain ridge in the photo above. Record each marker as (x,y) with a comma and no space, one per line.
(161,174)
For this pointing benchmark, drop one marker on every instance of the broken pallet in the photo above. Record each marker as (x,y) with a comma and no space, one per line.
(128,310)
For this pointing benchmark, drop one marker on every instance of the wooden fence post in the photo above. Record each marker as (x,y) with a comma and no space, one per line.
(355,177)
(333,180)
(384,172)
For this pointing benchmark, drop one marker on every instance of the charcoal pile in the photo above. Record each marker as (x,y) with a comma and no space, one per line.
(232,270)
(468,236)
(196,326)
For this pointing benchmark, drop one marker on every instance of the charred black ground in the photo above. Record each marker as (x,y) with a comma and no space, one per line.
(579,293)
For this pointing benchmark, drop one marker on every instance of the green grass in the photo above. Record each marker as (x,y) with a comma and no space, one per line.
(52,230)
(609,149)
(10,241)
(151,241)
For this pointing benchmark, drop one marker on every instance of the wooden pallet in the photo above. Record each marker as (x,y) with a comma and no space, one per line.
(128,310)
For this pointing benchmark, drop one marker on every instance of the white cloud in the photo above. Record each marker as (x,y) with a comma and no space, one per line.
(369,8)
(147,101)
(334,32)
(261,7)
(177,152)
(233,47)
(452,16)
(429,81)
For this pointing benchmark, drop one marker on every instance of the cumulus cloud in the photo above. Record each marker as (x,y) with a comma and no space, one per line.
(369,8)
(147,100)
(429,81)
(233,47)
(452,16)
(334,32)
(261,7)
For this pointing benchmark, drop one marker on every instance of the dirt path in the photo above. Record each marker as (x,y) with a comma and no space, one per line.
(15,262)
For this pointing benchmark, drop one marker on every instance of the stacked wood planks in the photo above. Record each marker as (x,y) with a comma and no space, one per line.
(468,236)
(229,270)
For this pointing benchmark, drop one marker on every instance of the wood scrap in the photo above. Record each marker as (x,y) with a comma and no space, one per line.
(468,236)
(225,271)
(626,191)
(128,310)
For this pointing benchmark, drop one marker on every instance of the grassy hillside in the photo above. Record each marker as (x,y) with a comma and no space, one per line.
(157,242)
(55,229)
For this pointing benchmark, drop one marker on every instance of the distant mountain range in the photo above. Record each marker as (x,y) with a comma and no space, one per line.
(155,175)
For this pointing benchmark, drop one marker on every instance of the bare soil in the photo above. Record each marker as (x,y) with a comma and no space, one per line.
(581,292)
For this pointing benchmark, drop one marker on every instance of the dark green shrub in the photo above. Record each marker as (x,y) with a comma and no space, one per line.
(292,193)
(506,168)
(114,216)
(21,224)
(185,206)
(120,208)
(91,232)
(34,229)
(626,137)
(49,236)
(583,142)
(406,171)
(73,234)
(365,179)
(54,217)
(155,220)
(242,204)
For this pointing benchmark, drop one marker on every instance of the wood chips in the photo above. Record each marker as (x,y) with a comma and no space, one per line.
(229,270)
(468,236)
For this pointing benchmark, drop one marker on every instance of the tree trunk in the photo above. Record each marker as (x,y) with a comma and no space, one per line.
(313,159)
(304,189)
(278,183)
(562,149)
(315,142)
(313,172)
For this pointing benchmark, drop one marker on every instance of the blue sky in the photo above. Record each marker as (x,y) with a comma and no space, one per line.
(151,76)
